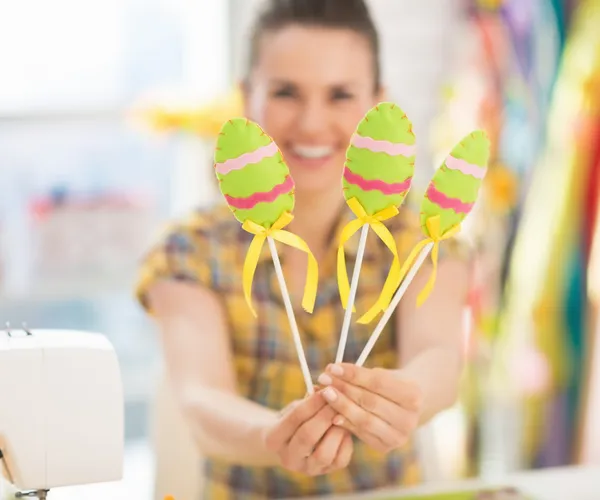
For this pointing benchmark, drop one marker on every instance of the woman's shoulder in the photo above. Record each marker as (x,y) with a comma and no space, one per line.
(203,236)
(212,223)
(191,249)
(203,233)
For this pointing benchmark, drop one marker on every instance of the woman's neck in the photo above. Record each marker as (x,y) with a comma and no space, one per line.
(315,216)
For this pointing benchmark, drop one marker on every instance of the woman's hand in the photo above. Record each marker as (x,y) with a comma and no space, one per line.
(306,441)
(376,405)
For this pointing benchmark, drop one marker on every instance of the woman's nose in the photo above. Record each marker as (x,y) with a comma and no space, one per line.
(313,118)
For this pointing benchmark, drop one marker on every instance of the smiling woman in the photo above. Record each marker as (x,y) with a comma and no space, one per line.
(313,75)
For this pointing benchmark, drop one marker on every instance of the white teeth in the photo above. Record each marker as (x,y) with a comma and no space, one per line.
(313,152)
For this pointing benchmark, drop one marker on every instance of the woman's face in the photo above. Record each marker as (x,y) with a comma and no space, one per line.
(309,89)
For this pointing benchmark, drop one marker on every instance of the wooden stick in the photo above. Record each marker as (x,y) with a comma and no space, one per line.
(352,296)
(393,304)
(291,318)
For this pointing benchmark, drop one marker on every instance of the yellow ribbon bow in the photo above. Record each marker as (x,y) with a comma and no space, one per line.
(277,233)
(392,281)
(433,228)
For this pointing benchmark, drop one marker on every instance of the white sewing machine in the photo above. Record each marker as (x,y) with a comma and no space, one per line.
(61,410)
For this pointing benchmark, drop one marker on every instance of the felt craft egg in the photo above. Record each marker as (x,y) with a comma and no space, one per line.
(453,189)
(380,160)
(252,174)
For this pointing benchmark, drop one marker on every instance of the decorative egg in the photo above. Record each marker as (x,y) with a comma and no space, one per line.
(252,173)
(454,188)
(380,160)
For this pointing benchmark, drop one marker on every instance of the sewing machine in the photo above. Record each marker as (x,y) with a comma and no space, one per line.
(61,411)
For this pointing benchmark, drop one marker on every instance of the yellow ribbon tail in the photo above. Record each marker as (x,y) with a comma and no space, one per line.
(312,274)
(277,233)
(393,279)
(389,288)
(375,223)
(435,236)
(342,272)
(414,253)
(311,285)
(250,264)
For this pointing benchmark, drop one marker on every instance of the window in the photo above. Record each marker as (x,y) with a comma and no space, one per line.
(83,192)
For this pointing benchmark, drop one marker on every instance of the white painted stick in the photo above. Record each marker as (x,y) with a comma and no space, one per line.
(352,296)
(291,318)
(393,304)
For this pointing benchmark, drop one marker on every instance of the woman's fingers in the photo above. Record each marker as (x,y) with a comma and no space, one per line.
(287,409)
(281,433)
(344,455)
(369,439)
(367,426)
(389,412)
(380,381)
(306,438)
(326,451)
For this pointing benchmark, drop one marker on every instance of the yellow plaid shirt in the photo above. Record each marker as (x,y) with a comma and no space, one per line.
(209,249)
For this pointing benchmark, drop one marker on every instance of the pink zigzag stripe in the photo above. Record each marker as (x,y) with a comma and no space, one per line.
(378,146)
(268,197)
(379,185)
(446,202)
(246,159)
(465,167)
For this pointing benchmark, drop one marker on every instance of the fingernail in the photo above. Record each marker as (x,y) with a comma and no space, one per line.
(336,370)
(329,394)
(325,379)
(338,420)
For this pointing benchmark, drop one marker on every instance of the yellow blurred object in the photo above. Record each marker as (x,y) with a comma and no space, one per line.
(490,4)
(448,92)
(501,186)
(543,316)
(204,121)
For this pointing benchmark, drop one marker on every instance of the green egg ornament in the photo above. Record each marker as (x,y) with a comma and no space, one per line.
(380,160)
(252,173)
(454,188)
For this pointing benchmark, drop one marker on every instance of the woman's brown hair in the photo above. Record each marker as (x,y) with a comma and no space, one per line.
(351,15)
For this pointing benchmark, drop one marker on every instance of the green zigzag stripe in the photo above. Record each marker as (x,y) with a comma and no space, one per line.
(266,214)
(387,122)
(372,166)
(239,136)
(473,148)
(448,217)
(457,185)
(372,201)
(258,177)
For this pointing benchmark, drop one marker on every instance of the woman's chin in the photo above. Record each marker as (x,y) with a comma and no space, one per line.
(317,176)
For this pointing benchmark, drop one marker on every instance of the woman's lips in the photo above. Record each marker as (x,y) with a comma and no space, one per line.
(310,156)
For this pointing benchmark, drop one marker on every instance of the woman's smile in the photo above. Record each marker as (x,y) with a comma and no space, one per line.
(310,156)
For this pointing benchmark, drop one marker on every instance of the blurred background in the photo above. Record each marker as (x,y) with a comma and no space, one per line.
(108,110)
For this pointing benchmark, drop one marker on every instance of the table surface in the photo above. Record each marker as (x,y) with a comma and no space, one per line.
(569,483)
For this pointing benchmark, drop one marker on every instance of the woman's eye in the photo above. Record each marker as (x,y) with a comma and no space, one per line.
(340,95)
(284,93)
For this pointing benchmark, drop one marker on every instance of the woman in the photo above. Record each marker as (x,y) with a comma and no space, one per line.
(313,74)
